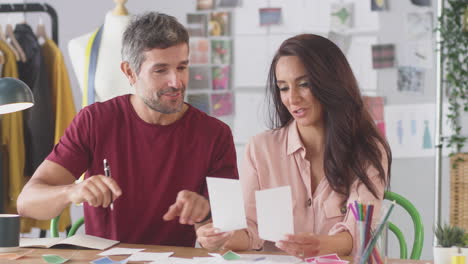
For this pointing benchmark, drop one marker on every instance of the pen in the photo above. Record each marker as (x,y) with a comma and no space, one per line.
(107,173)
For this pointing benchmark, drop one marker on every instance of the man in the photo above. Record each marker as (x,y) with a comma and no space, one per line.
(158,148)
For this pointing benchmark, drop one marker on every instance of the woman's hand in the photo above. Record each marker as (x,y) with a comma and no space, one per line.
(303,245)
(211,238)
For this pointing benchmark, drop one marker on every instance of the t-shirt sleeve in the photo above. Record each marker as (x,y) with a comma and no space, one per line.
(359,192)
(223,161)
(250,184)
(73,150)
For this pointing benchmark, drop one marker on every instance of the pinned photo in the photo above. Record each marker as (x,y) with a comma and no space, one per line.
(219,24)
(411,79)
(222,104)
(383,56)
(229,3)
(270,16)
(200,101)
(221,77)
(199,77)
(197,25)
(379,5)
(199,51)
(205,4)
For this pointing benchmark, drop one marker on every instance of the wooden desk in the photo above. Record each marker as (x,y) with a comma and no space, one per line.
(80,256)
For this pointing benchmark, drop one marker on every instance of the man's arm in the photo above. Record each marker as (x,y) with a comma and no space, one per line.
(52,188)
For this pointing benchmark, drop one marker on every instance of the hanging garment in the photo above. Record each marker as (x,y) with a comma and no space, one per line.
(63,108)
(12,140)
(62,97)
(38,120)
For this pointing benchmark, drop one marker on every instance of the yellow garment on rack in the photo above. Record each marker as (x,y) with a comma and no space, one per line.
(12,140)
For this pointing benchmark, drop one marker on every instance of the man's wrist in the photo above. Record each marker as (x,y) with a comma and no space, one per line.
(208,217)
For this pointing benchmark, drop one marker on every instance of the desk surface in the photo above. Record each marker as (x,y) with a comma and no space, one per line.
(85,255)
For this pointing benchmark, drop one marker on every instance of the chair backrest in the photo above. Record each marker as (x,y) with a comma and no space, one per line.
(418,227)
(54,227)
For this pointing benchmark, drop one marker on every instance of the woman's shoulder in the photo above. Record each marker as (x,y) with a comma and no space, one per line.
(270,138)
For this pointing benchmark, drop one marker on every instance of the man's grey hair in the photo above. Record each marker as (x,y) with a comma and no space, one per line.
(148,31)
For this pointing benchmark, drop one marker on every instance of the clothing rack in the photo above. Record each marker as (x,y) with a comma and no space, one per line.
(34,7)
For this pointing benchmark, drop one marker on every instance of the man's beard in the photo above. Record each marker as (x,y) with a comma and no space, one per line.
(158,106)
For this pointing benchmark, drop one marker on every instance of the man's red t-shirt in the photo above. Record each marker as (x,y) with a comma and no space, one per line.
(150,163)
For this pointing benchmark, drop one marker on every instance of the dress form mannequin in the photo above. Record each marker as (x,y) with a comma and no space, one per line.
(110,81)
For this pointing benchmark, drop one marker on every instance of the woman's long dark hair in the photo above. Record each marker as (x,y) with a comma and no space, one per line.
(352,141)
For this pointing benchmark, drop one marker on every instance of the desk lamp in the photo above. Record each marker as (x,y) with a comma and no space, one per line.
(15,95)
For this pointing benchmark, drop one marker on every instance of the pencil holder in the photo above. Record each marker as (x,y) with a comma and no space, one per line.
(369,248)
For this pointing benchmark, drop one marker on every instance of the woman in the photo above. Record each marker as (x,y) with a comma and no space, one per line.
(324,145)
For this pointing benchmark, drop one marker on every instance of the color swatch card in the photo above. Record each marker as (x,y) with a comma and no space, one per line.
(120,251)
(227,204)
(274,213)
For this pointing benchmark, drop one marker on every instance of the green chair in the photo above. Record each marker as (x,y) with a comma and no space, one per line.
(418,227)
(54,227)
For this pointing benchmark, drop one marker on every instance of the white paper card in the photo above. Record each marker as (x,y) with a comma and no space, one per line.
(274,213)
(227,204)
(120,251)
(150,256)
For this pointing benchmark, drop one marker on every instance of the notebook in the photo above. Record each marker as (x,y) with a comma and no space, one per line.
(79,240)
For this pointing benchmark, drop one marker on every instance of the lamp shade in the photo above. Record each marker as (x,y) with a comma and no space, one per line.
(15,95)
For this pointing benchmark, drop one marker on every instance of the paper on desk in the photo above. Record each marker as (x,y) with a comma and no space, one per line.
(150,256)
(120,251)
(269,258)
(227,204)
(173,260)
(107,260)
(274,213)
(80,240)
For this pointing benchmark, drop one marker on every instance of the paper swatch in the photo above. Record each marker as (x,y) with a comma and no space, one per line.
(227,204)
(107,260)
(120,251)
(54,259)
(274,213)
(150,256)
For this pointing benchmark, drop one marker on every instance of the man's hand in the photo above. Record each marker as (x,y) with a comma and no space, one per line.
(211,238)
(97,190)
(189,206)
(302,245)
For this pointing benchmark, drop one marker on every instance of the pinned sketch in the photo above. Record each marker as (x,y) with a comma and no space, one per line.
(221,77)
(200,101)
(199,51)
(199,77)
(342,16)
(419,26)
(383,56)
(205,4)
(421,2)
(410,129)
(197,25)
(222,104)
(379,5)
(228,3)
(270,16)
(220,51)
(375,107)
(418,54)
(343,41)
(410,79)
(219,24)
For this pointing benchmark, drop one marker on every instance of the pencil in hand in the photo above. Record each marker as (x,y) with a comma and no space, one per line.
(107,173)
